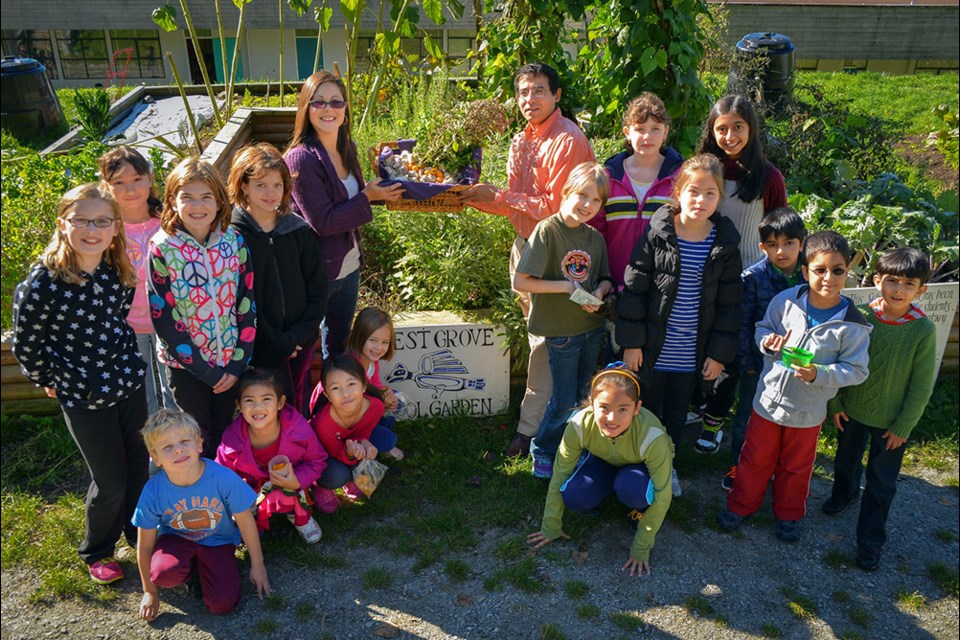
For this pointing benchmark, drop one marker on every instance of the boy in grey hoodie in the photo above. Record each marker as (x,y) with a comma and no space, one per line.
(791,401)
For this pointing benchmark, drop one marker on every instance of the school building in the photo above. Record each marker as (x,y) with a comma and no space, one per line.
(106,41)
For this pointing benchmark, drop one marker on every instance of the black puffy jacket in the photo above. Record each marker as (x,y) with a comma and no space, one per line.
(651,281)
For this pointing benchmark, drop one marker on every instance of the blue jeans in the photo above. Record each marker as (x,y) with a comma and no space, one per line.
(572,361)
(341,307)
(748,389)
(594,479)
(883,467)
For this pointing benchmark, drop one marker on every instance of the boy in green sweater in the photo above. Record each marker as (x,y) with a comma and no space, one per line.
(889,403)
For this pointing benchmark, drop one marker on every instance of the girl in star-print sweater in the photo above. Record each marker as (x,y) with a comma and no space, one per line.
(71,337)
(201,297)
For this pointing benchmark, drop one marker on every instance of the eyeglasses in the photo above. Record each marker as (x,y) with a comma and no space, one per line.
(537,92)
(333,104)
(821,272)
(83,223)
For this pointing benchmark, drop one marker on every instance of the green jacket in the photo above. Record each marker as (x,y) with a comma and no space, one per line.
(645,441)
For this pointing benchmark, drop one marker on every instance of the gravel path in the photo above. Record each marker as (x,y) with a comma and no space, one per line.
(704,585)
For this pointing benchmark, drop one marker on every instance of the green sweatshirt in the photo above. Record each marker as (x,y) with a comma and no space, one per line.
(903,359)
(645,441)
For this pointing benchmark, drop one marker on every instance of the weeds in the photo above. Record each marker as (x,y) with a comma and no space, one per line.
(771,631)
(457,570)
(551,631)
(911,601)
(840,597)
(859,616)
(376,578)
(801,606)
(265,627)
(576,589)
(304,611)
(836,559)
(521,574)
(945,578)
(588,610)
(627,620)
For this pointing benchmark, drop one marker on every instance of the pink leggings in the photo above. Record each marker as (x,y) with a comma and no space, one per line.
(176,559)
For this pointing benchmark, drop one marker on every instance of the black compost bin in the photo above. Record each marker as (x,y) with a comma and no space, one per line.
(27,100)
(776,83)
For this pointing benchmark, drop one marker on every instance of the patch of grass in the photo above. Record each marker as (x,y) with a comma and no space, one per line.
(521,575)
(953,482)
(837,559)
(771,631)
(551,631)
(424,559)
(945,535)
(274,602)
(700,606)
(627,620)
(851,635)
(859,616)
(801,606)
(376,578)
(511,548)
(945,578)
(265,627)
(576,589)
(840,597)
(588,610)
(304,611)
(911,600)
(457,570)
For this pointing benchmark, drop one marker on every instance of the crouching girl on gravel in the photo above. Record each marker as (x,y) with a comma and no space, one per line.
(627,452)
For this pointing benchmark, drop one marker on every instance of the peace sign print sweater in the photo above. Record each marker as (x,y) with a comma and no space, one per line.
(75,337)
(202,303)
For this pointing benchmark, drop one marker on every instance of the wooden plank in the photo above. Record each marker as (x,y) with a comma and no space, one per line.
(10,373)
(22,391)
(38,407)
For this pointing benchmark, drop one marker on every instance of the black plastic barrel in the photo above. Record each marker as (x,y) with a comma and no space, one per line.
(28,102)
(776,84)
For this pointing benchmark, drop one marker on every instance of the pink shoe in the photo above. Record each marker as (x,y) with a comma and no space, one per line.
(352,492)
(105,571)
(325,500)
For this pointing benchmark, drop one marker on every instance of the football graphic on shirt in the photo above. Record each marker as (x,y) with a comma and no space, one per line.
(196,520)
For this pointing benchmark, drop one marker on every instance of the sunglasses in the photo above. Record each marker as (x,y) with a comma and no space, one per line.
(333,104)
(837,271)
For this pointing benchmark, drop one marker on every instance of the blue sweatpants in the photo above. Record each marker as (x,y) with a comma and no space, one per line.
(594,479)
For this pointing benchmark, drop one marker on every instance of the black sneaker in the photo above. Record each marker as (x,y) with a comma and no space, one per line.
(834,506)
(788,530)
(726,483)
(635,516)
(519,447)
(729,521)
(709,441)
(867,559)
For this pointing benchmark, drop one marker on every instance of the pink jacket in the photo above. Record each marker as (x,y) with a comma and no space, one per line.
(623,220)
(297,441)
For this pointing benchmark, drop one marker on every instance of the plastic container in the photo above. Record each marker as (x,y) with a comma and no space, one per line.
(28,103)
(796,356)
(278,463)
(779,76)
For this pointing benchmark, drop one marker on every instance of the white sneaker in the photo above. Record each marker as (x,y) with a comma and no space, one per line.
(309,531)
(675,483)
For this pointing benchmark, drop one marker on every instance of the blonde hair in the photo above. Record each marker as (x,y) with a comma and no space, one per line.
(165,420)
(254,161)
(61,259)
(703,163)
(194,170)
(111,163)
(368,321)
(587,174)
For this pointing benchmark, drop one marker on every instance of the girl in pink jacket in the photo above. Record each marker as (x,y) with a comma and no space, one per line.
(273,449)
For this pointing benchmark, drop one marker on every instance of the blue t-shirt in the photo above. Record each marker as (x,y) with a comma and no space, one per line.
(819,316)
(201,512)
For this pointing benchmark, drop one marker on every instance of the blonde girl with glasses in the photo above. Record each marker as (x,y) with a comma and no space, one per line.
(71,337)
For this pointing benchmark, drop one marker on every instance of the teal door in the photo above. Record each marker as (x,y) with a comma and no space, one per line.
(218,60)
(306,50)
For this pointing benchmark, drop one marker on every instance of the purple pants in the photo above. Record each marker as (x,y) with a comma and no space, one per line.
(175,560)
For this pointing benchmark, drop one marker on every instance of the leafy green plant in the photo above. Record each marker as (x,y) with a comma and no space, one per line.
(93,111)
(947,136)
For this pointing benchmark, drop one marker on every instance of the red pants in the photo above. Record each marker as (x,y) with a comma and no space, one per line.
(770,448)
(176,559)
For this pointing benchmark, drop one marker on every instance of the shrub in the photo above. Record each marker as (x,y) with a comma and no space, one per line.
(946,138)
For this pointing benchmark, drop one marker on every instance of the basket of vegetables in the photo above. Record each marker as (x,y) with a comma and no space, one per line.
(443,161)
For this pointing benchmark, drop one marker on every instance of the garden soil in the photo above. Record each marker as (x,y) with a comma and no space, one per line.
(704,585)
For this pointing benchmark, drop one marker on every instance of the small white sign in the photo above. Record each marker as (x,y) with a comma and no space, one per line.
(939,302)
(447,366)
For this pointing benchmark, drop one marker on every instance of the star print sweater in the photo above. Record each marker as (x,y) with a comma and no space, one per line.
(202,302)
(75,338)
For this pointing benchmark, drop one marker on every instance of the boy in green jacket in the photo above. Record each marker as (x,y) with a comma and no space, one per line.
(886,407)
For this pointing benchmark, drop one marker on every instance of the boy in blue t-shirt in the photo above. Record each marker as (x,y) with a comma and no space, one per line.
(186,517)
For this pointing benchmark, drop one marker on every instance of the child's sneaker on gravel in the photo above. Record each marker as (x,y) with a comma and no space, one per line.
(726,483)
(310,531)
(867,559)
(105,571)
(729,521)
(709,441)
(788,530)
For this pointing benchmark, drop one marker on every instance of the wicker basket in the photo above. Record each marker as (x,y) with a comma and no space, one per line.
(449,201)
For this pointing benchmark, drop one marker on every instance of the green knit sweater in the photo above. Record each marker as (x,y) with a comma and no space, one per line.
(903,360)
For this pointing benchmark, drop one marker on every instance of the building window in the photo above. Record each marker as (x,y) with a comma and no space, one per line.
(31,43)
(83,53)
(460,42)
(136,53)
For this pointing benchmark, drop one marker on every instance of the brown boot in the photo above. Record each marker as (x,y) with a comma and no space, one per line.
(519,446)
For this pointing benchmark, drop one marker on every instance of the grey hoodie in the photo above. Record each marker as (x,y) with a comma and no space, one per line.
(840,353)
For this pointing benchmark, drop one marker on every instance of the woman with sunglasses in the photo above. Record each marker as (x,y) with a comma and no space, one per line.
(330,194)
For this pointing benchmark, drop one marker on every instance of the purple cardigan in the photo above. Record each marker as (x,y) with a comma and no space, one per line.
(320,198)
(297,441)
